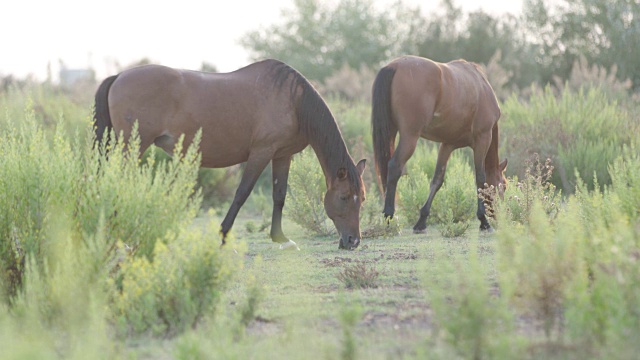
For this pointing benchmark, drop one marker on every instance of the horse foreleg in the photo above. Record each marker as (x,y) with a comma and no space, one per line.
(406,147)
(280,170)
(436,183)
(255,166)
(480,149)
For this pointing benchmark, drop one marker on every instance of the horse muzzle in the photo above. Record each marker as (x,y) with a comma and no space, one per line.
(349,243)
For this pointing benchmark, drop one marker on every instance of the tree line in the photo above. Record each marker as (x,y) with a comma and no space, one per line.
(540,45)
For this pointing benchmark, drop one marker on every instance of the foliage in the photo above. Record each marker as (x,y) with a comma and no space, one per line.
(349,317)
(473,322)
(455,203)
(519,196)
(359,276)
(581,130)
(450,227)
(478,36)
(625,181)
(307,187)
(61,309)
(313,36)
(605,32)
(539,264)
(178,288)
(413,188)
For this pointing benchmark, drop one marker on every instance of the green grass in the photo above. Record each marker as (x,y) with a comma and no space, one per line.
(300,313)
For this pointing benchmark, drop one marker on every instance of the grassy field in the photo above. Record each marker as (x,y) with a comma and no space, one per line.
(110,259)
(304,307)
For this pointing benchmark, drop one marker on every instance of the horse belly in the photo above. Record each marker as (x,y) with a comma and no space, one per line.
(222,149)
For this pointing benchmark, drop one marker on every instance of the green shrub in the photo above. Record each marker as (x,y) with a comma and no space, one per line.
(456,201)
(450,228)
(175,290)
(141,202)
(138,204)
(539,263)
(602,315)
(519,196)
(36,175)
(349,317)
(61,309)
(625,179)
(307,186)
(413,187)
(582,130)
(469,317)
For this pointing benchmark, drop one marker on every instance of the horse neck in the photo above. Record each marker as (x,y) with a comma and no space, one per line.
(331,151)
(319,126)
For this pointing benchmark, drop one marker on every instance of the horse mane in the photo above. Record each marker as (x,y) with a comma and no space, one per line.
(316,122)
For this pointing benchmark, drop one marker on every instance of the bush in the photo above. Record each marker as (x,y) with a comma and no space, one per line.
(581,130)
(519,196)
(473,322)
(178,288)
(140,202)
(413,187)
(456,201)
(45,177)
(625,181)
(305,205)
(307,186)
(539,264)
(60,310)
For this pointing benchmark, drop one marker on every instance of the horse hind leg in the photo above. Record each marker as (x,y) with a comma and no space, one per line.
(406,146)
(436,183)
(480,149)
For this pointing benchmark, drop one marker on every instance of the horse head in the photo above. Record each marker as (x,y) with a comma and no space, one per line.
(342,203)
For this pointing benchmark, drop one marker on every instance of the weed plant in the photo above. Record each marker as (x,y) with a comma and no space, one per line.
(471,320)
(582,130)
(360,275)
(520,195)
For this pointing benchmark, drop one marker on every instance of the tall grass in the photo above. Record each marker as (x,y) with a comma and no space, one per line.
(582,130)
(87,242)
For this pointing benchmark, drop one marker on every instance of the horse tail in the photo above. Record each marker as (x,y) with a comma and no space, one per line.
(383,130)
(101,116)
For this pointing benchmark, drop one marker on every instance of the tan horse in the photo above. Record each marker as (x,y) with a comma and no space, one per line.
(262,113)
(452,104)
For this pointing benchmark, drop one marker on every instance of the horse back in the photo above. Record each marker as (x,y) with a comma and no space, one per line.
(444,102)
(237,111)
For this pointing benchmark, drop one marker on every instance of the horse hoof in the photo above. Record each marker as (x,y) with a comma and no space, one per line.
(289,245)
(419,231)
(488,230)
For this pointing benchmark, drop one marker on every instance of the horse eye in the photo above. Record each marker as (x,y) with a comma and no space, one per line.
(344,197)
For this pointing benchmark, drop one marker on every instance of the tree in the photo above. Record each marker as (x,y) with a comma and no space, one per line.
(478,37)
(319,40)
(606,33)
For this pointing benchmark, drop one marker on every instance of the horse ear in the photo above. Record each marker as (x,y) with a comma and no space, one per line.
(342,174)
(361,165)
(503,165)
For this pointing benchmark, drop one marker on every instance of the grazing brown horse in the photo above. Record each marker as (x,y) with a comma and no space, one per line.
(452,104)
(262,113)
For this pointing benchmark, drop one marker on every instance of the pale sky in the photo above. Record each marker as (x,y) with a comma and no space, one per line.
(182,34)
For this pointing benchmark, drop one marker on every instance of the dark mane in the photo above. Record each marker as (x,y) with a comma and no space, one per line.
(316,122)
